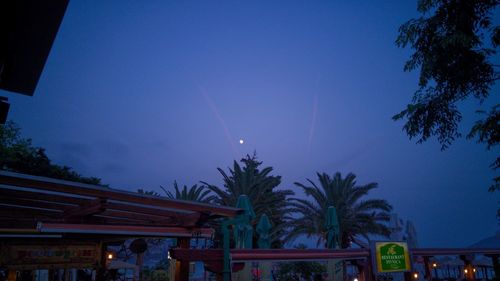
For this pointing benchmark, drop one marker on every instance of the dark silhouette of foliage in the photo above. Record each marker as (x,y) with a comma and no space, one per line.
(488,132)
(357,216)
(194,193)
(453,42)
(262,189)
(148,192)
(17,154)
(300,270)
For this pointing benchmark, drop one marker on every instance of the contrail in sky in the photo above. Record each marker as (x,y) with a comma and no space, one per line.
(313,122)
(314,114)
(214,110)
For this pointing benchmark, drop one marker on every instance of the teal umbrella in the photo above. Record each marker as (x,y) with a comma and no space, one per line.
(245,204)
(332,228)
(243,230)
(263,229)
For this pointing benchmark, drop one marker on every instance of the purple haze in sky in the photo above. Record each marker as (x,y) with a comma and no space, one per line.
(310,85)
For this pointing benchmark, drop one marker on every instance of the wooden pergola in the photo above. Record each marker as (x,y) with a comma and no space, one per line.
(34,209)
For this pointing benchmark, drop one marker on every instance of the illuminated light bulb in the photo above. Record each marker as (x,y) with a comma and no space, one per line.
(415,275)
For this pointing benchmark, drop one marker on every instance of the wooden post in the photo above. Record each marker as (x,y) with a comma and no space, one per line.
(360,266)
(101,269)
(66,274)
(139,262)
(469,275)
(496,265)
(182,267)
(408,276)
(428,273)
(369,272)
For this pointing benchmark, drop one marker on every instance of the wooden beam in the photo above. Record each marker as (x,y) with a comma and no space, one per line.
(103,192)
(16,223)
(148,210)
(270,254)
(292,254)
(104,220)
(452,251)
(7,211)
(127,230)
(138,216)
(6,191)
(34,203)
(92,207)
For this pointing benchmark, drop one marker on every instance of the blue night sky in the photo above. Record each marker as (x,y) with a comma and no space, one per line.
(142,93)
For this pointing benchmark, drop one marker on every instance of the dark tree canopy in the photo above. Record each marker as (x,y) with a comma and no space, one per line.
(357,216)
(263,190)
(194,193)
(17,154)
(454,42)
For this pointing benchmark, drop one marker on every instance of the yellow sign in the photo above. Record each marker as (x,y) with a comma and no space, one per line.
(45,256)
(392,257)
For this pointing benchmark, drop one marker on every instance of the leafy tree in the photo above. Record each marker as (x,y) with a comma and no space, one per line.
(195,193)
(357,216)
(454,42)
(262,189)
(17,154)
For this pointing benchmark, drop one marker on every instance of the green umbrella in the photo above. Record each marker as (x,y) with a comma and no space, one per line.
(243,231)
(332,228)
(263,229)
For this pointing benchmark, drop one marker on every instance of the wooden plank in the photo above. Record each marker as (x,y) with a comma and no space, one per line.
(125,230)
(452,251)
(12,193)
(186,220)
(92,207)
(34,203)
(293,254)
(21,212)
(105,220)
(136,216)
(268,254)
(147,210)
(11,223)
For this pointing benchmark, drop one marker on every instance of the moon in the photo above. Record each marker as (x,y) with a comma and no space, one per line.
(242,141)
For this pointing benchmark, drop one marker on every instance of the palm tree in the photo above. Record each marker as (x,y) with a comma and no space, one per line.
(357,216)
(195,193)
(260,187)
